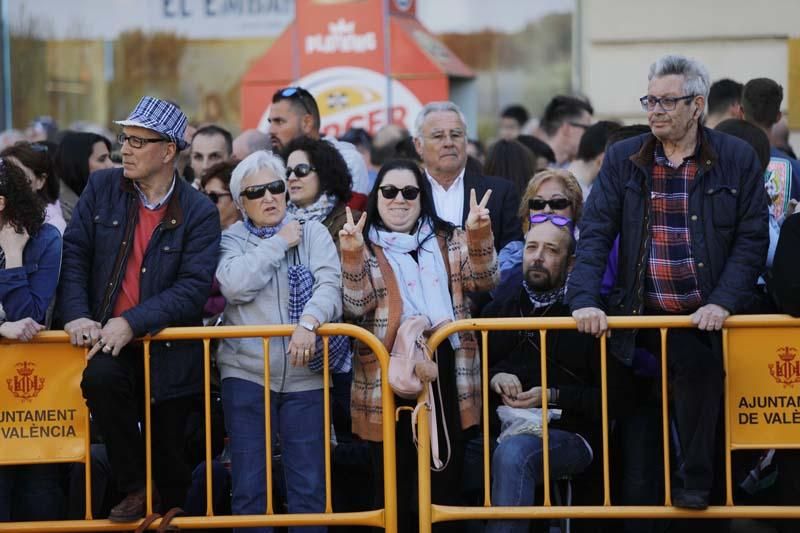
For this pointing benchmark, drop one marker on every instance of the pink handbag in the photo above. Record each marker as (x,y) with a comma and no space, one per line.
(410,347)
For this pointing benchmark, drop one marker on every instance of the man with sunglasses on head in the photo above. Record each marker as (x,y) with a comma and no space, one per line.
(689,206)
(440,138)
(573,378)
(294,113)
(139,255)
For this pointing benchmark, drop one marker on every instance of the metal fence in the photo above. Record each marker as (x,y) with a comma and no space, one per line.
(755,337)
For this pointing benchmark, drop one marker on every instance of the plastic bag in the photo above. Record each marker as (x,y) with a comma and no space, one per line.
(518,421)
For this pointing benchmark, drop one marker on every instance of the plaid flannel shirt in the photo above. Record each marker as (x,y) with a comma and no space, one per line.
(671,283)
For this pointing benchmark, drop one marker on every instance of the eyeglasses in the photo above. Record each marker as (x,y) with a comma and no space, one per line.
(538,204)
(258,191)
(138,142)
(440,136)
(556,220)
(668,103)
(409,192)
(215,196)
(300,170)
(299,94)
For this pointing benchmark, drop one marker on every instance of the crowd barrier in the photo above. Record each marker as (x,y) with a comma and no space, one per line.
(761,411)
(43,419)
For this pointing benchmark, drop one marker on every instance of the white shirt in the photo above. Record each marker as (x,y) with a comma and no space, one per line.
(449,203)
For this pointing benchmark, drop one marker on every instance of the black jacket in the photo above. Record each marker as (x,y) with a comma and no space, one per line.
(728,223)
(503,206)
(573,365)
(175,281)
(784,283)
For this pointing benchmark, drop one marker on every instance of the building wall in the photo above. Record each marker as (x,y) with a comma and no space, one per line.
(738,39)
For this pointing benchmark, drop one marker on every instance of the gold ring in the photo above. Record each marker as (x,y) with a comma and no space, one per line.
(306,352)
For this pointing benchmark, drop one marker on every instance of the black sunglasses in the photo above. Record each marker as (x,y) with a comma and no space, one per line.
(300,170)
(409,192)
(537,204)
(299,94)
(215,196)
(258,191)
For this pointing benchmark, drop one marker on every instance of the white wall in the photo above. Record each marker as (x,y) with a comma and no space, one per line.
(737,39)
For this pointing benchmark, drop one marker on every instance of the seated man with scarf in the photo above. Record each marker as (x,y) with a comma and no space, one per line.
(573,376)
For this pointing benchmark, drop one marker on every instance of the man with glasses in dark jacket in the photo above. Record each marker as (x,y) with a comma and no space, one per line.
(139,255)
(689,206)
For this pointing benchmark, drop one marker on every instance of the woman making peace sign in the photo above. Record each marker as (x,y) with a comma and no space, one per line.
(414,263)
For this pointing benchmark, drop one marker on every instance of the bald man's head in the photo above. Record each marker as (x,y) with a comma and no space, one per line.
(250,141)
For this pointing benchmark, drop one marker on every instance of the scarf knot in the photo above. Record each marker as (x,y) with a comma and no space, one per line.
(266,232)
(544,298)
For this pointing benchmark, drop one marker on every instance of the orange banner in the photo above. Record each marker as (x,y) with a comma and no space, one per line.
(764,386)
(42,413)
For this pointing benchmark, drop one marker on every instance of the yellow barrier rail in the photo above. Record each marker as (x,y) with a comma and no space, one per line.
(771,329)
(383,518)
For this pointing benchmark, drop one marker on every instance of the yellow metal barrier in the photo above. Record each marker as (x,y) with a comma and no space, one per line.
(755,349)
(385,518)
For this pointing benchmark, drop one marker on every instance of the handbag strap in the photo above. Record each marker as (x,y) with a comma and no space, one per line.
(433,416)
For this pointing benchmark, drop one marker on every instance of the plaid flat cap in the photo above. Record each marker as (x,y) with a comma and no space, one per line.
(160,116)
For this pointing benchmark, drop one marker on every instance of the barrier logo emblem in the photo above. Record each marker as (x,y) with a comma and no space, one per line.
(26,385)
(786,369)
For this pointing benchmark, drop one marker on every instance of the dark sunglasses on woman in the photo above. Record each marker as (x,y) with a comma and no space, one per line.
(409,192)
(258,191)
(300,170)
(537,204)
(215,196)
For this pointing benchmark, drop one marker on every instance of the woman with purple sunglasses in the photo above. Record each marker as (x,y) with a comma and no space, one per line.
(550,192)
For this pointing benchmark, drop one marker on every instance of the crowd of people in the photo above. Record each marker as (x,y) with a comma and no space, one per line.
(689,214)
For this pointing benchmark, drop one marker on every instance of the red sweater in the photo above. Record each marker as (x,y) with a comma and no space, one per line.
(128,296)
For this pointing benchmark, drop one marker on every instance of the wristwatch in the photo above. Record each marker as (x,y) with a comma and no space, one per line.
(308,325)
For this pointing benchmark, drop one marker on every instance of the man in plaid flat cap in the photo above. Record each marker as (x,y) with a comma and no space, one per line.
(139,255)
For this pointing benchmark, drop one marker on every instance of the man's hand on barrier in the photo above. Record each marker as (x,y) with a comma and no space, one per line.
(83,331)
(21,330)
(710,317)
(506,385)
(426,371)
(524,400)
(591,320)
(113,337)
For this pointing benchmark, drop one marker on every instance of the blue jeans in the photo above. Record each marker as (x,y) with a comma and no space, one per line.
(297,420)
(517,470)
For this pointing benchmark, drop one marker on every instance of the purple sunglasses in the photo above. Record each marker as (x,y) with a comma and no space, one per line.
(556,220)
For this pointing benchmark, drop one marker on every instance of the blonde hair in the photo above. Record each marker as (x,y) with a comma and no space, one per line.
(572,190)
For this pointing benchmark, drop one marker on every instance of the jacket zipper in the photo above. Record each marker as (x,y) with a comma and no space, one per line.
(121,272)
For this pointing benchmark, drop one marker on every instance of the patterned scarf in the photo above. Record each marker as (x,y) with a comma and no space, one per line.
(546,298)
(424,285)
(318,211)
(265,232)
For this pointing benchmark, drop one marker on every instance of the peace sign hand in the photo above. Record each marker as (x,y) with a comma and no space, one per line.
(351,236)
(478,216)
